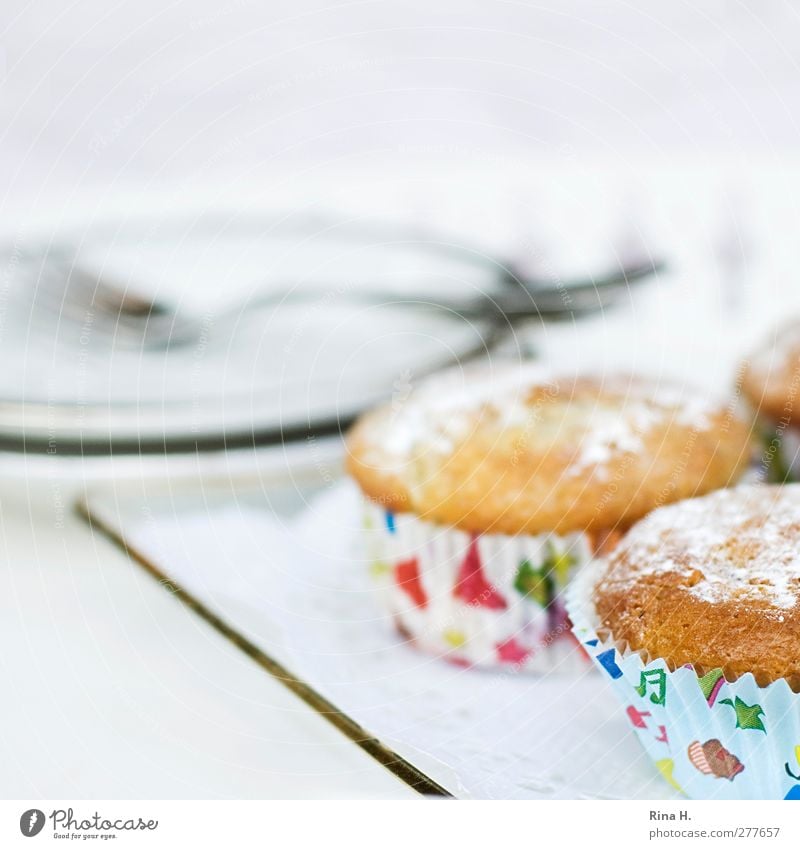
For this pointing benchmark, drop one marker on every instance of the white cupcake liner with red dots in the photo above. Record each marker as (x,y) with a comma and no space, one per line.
(486,600)
(708,737)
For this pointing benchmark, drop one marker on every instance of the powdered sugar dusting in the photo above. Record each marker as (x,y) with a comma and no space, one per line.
(610,430)
(740,544)
(439,412)
(608,420)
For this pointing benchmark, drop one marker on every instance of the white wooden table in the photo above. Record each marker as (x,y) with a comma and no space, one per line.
(114,689)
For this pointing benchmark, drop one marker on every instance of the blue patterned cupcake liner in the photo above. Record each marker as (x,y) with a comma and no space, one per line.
(710,738)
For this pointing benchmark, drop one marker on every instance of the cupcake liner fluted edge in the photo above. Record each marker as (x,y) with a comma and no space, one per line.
(485,600)
(709,737)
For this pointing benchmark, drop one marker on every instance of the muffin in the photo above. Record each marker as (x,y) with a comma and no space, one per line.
(486,488)
(770,382)
(694,617)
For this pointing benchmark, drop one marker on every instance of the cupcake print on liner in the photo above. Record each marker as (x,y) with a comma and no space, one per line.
(475,599)
(488,487)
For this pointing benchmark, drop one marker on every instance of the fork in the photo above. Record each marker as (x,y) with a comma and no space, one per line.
(128,320)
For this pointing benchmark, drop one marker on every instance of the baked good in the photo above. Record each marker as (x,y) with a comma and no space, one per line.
(694,618)
(714,582)
(519,451)
(770,382)
(486,487)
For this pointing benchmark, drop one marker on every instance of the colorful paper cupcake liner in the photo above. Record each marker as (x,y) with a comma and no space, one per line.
(477,600)
(710,738)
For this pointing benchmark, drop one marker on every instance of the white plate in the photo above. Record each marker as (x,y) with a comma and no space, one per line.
(67,386)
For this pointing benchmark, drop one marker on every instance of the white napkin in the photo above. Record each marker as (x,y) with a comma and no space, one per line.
(300,590)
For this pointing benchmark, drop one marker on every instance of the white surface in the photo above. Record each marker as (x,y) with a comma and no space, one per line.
(112,689)
(149,92)
(481,734)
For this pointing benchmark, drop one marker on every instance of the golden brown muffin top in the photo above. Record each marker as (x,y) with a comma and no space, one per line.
(713,582)
(516,449)
(770,378)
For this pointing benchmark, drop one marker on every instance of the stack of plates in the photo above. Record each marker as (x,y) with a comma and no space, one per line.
(252,373)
